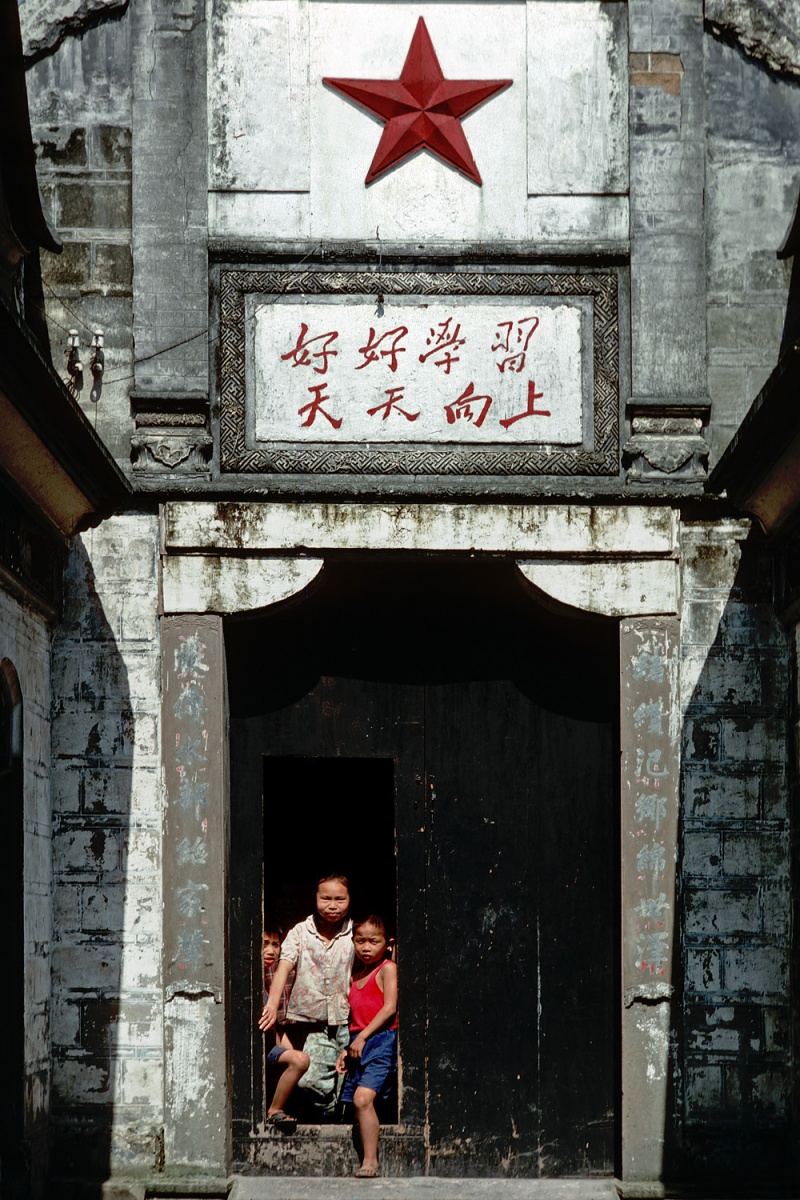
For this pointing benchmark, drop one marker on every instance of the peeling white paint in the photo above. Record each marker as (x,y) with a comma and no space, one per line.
(614,589)
(577,64)
(198,584)
(519,529)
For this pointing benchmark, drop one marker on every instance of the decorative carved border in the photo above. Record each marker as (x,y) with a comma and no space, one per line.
(353,459)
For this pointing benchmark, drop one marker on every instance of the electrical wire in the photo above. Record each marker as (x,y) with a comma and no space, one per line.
(213,331)
(71,312)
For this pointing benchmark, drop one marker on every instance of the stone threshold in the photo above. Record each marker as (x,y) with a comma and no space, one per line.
(305,1187)
(421,1188)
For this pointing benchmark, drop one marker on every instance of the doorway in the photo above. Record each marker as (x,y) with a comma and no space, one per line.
(360,788)
(499,723)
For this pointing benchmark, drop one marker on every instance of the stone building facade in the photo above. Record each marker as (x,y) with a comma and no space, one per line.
(519,586)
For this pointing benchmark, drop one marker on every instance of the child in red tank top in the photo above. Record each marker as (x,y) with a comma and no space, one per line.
(371,1058)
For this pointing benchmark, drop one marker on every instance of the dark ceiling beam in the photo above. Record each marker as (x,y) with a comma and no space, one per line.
(760,470)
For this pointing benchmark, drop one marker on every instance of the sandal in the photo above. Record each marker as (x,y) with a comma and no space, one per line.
(367,1170)
(280,1118)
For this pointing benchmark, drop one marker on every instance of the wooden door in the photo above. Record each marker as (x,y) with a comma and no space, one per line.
(500,731)
(520,917)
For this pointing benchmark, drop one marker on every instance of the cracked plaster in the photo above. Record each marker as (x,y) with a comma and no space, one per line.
(46,23)
(766,30)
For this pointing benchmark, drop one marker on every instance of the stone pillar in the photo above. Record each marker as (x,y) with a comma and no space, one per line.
(667,177)
(650,764)
(196,1104)
(170,237)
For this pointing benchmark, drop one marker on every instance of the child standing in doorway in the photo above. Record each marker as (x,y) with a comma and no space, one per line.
(370,1060)
(321,950)
(293,1063)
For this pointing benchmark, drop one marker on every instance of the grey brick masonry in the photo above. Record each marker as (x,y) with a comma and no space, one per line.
(107,1010)
(735,866)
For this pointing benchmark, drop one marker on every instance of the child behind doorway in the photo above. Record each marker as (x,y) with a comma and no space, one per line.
(293,1063)
(371,1058)
(321,950)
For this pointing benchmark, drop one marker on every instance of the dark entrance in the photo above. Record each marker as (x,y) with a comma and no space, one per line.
(499,724)
(361,788)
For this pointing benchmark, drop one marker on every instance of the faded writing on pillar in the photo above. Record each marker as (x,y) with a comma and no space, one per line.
(651,768)
(188,792)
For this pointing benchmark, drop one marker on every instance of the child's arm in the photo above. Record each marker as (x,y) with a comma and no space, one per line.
(269,1013)
(385,1016)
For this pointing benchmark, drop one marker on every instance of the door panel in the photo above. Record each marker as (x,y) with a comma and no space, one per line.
(520,904)
(481,917)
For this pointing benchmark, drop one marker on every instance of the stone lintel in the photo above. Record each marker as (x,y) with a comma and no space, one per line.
(518,529)
(208,583)
(609,588)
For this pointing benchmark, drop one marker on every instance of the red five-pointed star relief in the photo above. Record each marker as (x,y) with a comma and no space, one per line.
(421,109)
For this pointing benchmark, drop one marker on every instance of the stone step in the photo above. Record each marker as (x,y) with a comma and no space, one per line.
(423,1188)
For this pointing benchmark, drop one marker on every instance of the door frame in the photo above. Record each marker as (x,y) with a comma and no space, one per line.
(620,561)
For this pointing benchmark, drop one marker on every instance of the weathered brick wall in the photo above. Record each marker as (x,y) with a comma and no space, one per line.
(752,186)
(25,642)
(107,1005)
(80,105)
(735,867)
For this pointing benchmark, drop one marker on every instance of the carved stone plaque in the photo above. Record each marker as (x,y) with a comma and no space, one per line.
(419,373)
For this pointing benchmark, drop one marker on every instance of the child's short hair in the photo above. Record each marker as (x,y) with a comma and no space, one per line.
(273,931)
(377,922)
(342,879)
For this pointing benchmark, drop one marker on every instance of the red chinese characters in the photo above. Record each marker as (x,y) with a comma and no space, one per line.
(462,408)
(386,346)
(512,340)
(531,409)
(390,405)
(303,354)
(420,405)
(314,407)
(444,342)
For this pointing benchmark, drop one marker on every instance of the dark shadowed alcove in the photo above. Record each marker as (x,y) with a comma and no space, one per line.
(15,1182)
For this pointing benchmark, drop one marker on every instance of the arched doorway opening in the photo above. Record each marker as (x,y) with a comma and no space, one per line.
(427,720)
(14,1166)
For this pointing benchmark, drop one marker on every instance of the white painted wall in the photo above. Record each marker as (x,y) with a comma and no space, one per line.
(107,837)
(289,156)
(518,529)
(459,369)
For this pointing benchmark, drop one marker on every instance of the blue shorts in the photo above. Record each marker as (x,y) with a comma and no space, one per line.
(377,1067)
(275,1053)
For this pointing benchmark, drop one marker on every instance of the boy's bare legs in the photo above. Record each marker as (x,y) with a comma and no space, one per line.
(368,1124)
(296,1066)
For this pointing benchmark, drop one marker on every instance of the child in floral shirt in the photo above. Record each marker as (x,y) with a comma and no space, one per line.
(321,951)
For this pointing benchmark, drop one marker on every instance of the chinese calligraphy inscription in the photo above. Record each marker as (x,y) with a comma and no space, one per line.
(258,431)
(192,758)
(509,371)
(194,914)
(650,802)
